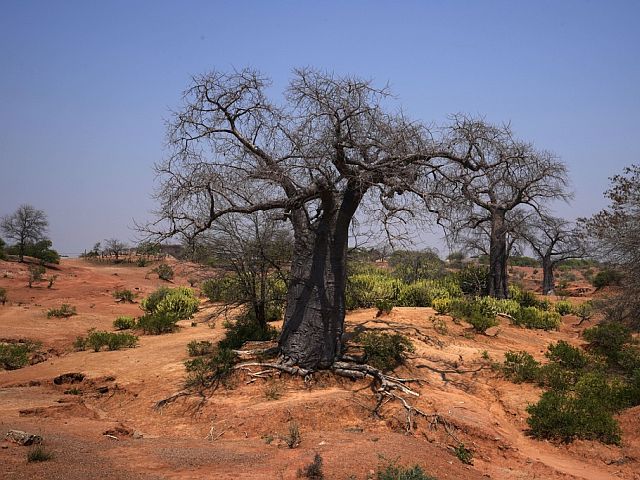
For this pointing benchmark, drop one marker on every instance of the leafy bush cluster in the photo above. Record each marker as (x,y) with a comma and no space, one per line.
(532,317)
(165,272)
(64,311)
(207,371)
(124,323)
(165,307)
(246,329)
(563,307)
(197,348)
(123,295)
(385,351)
(392,471)
(16,355)
(584,389)
(605,278)
(99,339)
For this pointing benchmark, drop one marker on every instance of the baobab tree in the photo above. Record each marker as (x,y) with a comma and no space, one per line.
(115,247)
(553,240)
(330,148)
(26,225)
(501,174)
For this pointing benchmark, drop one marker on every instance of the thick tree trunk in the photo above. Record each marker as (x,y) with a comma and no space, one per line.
(548,279)
(314,318)
(498,256)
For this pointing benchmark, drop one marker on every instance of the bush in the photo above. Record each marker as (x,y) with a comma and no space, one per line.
(16,355)
(441,305)
(586,413)
(164,271)
(38,453)
(364,290)
(113,341)
(474,279)
(492,306)
(204,372)
(384,306)
(563,307)
(584,311)
(605,278)
(124,323)
(313,471)
(607,339)
(197,348)
(385,351)
(531,317)
(391,471)
(473,312)
(123,295)
(158,323)
(64,311)
(246,329)
(464,454)
(567,356)
(179,302)
(3,295)
(36,272)
(411,266)
(220,289)
(520,367)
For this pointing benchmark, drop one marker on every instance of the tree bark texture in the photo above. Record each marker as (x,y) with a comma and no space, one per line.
(548,279)
(498,256)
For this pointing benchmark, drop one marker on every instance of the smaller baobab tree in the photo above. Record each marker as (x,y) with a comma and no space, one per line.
(553,240)
(115,247)
(27,225)
(499,174)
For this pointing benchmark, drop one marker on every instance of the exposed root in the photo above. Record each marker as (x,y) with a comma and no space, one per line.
(171,398)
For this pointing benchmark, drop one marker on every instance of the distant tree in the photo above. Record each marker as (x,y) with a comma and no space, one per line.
(41,250)
(26,225)
(411,266)
(2,247)
(502,174)
(115,247)
(616,235)
(553,240)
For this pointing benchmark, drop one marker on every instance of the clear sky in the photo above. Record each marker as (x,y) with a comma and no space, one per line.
(85,87)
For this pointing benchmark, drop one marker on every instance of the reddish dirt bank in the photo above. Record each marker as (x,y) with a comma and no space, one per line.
(237,432)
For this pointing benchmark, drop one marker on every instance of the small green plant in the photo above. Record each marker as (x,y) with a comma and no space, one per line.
(608,339)
(207,371)
(584,311)
(313,471)
(563,307)
(3,295)
(439,325)
(391,471)
(384,306)
(124,323)
(16,355)
(113,341)
(441,305)
(520,367)
(123,295)
(73,391)
(385,351)
(158,323)
(293,438)
(181,302)
(164,271)
(52,279)
(142,262)
(246,329)
(567,356)
(464,454)
(532,317)
(36,273)
(38,453)
(272,391)
(197,348)
(606,278)
(64,311)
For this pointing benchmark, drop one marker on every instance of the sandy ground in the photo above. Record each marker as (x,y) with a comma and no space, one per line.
(237,432)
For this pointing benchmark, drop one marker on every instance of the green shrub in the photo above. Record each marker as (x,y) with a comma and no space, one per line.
(124,323)
(38,453)
(179,302)
(3,295)
(412,266)
(391,471)
(524,298)
(474,279)
(113,341)
(585,412)
(493,306)
(531,317)
(164,271)
(473,312)
(606,278)
(158,323)
(197,348)
(441,305)
(36,272)
(204,372)
(246,329)
(520,367)
(563,307)
(142,262)
(464,454)
(385,351)
(64,311)
(220,289)
(607,339)
(313,471)
(567,356)
(364,290)
(418,294)
(123,295)
(584,311)
(16,355)
(384,306)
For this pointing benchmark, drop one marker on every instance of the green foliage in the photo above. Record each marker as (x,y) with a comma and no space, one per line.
(520,367)
(411,266)
(38,453)
(464,454)
(16,355)
(605,278)
(365,289)
(197,348)
(391,471)
(246,329)
(313,471)
(584,310)
(493,306)
(475,312)
(293,438)
(157,323)
(179,302)
(474,279)
(124,323)
(123,295)
(523,261)
(524,298)
(384,306)
(64,311)
(563,307)
(222,289)
(441,305)
(164,271)
(113,341)
(532,317)
(3,254)
(385,351)
(567,356)
(36,272)
(206,371)
(607,339)
(3,295)
(586,412)
(41,250)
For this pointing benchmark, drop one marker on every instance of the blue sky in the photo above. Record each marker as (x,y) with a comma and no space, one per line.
(85,87)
